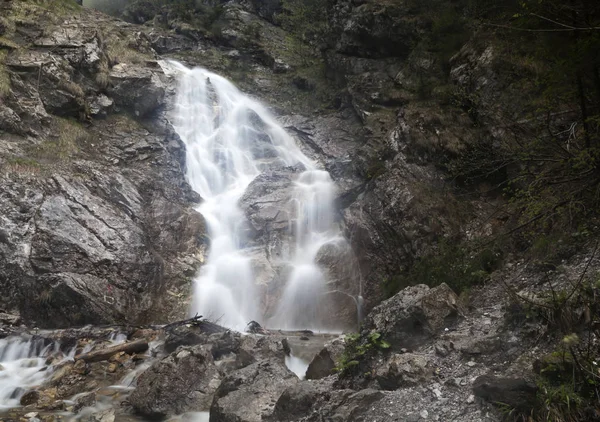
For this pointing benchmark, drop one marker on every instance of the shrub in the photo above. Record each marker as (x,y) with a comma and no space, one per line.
(458,266)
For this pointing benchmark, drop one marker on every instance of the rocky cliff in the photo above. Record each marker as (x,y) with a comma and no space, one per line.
(419,118)
(98,224)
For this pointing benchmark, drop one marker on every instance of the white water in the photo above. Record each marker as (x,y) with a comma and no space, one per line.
(218,125)
(297,365)
(23,366)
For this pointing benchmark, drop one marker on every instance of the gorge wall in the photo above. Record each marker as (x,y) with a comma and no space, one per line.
(98,216)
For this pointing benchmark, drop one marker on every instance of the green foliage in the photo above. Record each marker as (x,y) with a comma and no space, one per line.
(569,377)
(458,266)
(304,18)
(547,160)
(357,348)
(4,77)
(71,135)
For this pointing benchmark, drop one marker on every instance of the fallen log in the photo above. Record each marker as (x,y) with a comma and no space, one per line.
(139,346)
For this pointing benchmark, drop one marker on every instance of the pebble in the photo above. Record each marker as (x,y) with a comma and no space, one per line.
(30,415)
(424,414)
(471,363)
(471,399)
(438,393)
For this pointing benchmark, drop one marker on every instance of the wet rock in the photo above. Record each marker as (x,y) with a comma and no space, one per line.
(137,88)
(516,393)
(403,370)
(249,394)
(183,381)
(224,343)
(182,336)
(323,363)
(266,201)
(255,328)
(30,397)
(9,319)
(414,315)
(87,400)
(107,415)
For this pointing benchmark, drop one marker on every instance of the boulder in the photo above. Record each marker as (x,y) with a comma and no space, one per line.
(517,393)
(249,394)
(181,382)
(87,400)
(183,336)
(403,370)
(324,362)
(414,315)
(299,399)
(30,397)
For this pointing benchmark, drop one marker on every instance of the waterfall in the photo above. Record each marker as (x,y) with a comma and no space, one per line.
(222,129)
(22,366)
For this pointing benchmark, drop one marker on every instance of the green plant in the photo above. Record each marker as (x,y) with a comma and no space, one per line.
(304,18)
(569,377)
(357,347)
(459,266)
(4,76)
(70,135)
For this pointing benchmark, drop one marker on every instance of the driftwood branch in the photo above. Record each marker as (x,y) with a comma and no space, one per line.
(139,346)
(197,321)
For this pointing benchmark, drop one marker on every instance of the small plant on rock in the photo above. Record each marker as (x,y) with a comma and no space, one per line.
(357,348)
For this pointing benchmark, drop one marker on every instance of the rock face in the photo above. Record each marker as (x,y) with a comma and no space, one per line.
(184,380)
(97,218)
(414,315)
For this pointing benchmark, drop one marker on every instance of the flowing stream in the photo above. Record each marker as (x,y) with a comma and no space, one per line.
(23,365)
(222,129)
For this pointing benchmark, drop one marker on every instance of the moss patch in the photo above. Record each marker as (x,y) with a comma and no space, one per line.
(4,76)
(70,135)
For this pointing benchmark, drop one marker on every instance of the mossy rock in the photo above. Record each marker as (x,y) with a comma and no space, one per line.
(556,367)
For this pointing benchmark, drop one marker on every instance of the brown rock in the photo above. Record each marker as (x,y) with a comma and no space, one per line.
(30,397)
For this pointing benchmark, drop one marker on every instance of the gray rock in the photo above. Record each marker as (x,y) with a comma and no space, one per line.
(516,393)
(403,370)
(300,399)
(107,415)
(87,400)
(30,397)
(181,382)
(324,362)
(414,315)
(9,120)
(249,394)
(137,88)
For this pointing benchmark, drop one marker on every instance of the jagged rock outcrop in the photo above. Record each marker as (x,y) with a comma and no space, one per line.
(185,380)
(97,218)
(249,394)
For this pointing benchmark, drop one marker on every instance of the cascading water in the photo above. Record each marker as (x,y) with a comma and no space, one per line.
(222,128)
(23,363)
